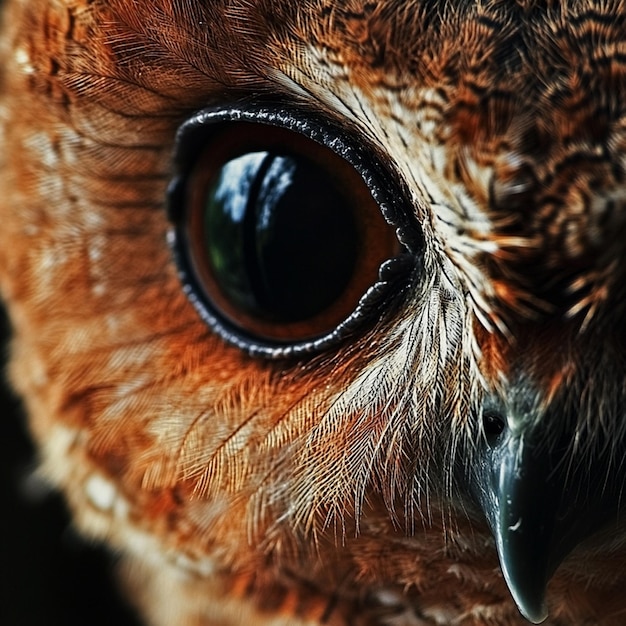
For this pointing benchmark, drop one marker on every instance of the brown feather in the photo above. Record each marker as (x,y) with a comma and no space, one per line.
(293,492)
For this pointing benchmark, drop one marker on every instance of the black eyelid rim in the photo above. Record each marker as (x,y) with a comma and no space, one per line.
(383,185)
(363,157)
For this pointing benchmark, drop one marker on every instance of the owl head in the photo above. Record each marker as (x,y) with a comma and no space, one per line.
(319,308)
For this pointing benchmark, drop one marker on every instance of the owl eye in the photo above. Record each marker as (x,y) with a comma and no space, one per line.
(279,228)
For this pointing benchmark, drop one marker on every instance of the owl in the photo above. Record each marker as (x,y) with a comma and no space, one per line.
(410,414)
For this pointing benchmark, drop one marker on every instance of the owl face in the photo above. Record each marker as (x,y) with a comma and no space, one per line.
(318,308)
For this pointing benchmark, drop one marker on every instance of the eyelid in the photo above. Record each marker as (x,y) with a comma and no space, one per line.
(202,128)
(193,133)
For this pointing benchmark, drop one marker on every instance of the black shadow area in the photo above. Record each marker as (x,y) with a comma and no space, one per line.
(49,576)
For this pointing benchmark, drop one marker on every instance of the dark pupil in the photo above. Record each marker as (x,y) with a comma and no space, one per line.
(281,238)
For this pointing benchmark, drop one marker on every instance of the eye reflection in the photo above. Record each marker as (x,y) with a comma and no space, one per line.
(280,237)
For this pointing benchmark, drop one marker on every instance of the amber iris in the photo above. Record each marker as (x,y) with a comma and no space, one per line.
(284,235)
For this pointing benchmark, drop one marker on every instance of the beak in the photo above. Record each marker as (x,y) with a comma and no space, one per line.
(539,500)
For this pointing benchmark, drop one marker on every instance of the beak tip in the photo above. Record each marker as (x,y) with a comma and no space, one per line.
(527,587)
(533,609)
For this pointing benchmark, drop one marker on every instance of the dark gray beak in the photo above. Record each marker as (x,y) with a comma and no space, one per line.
(540,497)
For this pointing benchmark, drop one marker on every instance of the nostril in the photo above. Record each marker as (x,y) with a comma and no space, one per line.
(493,426)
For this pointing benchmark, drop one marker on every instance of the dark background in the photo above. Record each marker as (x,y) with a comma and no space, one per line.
(48,575)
